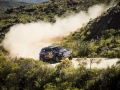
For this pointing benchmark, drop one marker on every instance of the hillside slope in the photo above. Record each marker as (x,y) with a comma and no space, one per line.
(4,5)
(99,38)
(109,20)
(31,1)
(75,41)
(96,27)
(42,12)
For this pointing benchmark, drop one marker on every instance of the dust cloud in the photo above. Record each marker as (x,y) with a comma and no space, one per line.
(26,40)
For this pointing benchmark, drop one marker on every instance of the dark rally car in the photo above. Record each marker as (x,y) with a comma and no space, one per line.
(55,53)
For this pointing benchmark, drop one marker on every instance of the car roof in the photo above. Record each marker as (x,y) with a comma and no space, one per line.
(54,46)
(51,47)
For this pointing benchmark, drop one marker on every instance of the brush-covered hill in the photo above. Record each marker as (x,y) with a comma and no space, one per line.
(99,38)
(109,20)
(8,4)
(31,1)
(45,11)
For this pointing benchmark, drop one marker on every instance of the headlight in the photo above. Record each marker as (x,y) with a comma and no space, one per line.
(60,53)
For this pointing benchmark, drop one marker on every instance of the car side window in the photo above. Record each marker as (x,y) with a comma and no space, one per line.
(43,50)
(48,50)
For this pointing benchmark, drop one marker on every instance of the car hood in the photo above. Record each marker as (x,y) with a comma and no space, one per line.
(63,50)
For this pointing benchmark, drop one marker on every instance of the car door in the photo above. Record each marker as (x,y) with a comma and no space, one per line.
(49,53)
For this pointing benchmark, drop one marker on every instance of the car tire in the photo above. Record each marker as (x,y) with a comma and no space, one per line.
(42,59)
(70,58)
(57,59)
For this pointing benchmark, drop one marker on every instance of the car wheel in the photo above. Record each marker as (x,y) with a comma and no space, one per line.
(42,59)
(70,58)
(57,59)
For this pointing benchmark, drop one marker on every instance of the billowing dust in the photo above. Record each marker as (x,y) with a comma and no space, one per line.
(26,40)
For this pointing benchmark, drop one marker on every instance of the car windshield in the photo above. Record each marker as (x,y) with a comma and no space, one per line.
(57,48)
(47,50)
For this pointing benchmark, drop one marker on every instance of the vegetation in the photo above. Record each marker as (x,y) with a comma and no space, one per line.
(28,74)
(108,45)
(46,11)
(99,38)
(80,42)
(31,1)
(4,5)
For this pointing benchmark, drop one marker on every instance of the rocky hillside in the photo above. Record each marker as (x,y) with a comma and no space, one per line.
(8,4)
(95,29)
(109,20)
(31,1)
(99,38)
(45,11)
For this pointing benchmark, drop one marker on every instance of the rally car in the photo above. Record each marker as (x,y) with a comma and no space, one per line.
(55,53)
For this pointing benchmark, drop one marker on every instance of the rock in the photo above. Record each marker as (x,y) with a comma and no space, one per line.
(109,20)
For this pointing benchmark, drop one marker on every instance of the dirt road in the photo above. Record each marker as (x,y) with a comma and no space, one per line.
(93,63)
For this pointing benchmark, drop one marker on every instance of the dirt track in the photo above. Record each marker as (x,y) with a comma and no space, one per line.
(103,62)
